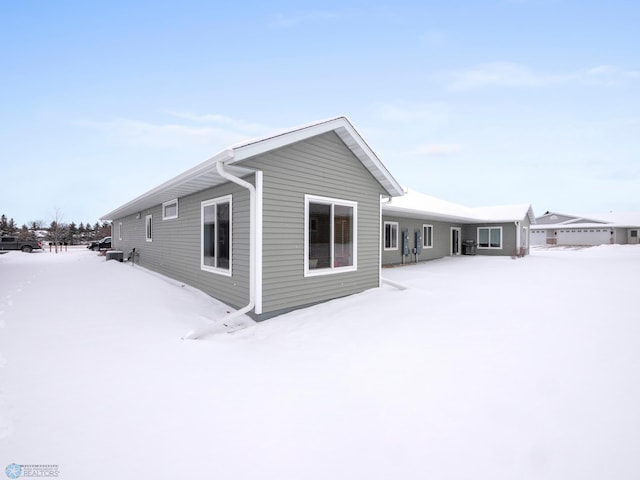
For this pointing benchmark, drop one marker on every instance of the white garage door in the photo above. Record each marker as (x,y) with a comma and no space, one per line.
(538,237)
(584,236)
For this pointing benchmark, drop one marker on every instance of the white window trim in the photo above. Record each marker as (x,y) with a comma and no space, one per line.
(208,203)
(384,233)
(148,228)
(119,230)
(331,269)
(167,204)
(489,247)
(424,236)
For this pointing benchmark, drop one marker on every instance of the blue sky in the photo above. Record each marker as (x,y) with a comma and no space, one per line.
(476,102)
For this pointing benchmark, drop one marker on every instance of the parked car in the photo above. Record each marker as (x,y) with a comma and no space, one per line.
(103,244)
(14,243)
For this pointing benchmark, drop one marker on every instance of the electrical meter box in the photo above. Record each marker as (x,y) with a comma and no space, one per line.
(417,234)
(405,241)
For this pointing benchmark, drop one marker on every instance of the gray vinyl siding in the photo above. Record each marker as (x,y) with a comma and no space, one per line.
(508,238)
(175,249)
(321,166)
(441,240)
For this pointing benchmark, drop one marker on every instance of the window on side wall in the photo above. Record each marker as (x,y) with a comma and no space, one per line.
(149,228)
(427,236)
(215,220)
(390,235)
(489,237)
(119,230)
(330,235)
(170,209)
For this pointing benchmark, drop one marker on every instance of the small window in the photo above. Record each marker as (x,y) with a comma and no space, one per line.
(330,236)
(149,228)
(390,235)
(119,230)
(216,235)
(489,237)
(170,209)
(427,236)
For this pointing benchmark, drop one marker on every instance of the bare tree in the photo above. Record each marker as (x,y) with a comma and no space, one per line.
(57,229)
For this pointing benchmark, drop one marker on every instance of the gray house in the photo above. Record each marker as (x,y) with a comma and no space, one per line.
(554,228)
(268,225)
(419,227)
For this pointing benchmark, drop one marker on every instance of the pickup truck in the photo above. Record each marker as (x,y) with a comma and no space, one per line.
(14,243)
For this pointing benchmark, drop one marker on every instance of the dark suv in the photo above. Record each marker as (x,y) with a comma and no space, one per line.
(103,244)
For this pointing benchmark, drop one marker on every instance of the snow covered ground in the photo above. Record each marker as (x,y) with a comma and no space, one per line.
(485,368)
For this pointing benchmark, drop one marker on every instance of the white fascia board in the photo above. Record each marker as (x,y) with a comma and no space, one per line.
(425,215)
(369,159)
(156,195)
(347,133)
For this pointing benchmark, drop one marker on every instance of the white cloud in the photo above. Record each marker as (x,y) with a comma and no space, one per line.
(221,121)
(610,75)
(289,20)
(438,149)
(433,113)
(508,74)
(501,74)
(211,130)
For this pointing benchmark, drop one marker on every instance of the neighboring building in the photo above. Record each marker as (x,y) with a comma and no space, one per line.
(420,227)
(269,225)
(554,228)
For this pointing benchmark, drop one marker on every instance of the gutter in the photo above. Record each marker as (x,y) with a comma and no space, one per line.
(202,331)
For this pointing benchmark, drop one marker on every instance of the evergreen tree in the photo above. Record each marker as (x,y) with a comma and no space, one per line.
(90,234)
(72,233)
(4,226)
(105,229)
(25,234)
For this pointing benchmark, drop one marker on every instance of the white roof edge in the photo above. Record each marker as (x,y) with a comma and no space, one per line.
(389,207)
(182,178)
(418,204)
(244,150)
(343,128)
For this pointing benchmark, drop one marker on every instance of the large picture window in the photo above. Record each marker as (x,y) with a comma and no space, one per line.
(330,235)
(216,235)
(489,237)
(390,235)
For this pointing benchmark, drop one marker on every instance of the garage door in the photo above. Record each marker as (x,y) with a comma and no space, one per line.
(584,236)
(538,237)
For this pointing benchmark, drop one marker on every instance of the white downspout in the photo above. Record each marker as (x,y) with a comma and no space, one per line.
(198,333)
(383,280)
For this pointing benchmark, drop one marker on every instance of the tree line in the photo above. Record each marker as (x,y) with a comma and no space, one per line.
(57,231)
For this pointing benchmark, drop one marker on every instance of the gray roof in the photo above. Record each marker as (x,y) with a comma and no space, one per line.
(204,175)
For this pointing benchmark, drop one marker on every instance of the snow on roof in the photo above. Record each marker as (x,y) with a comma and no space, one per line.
(618,218)
(607,219)
(418,204)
